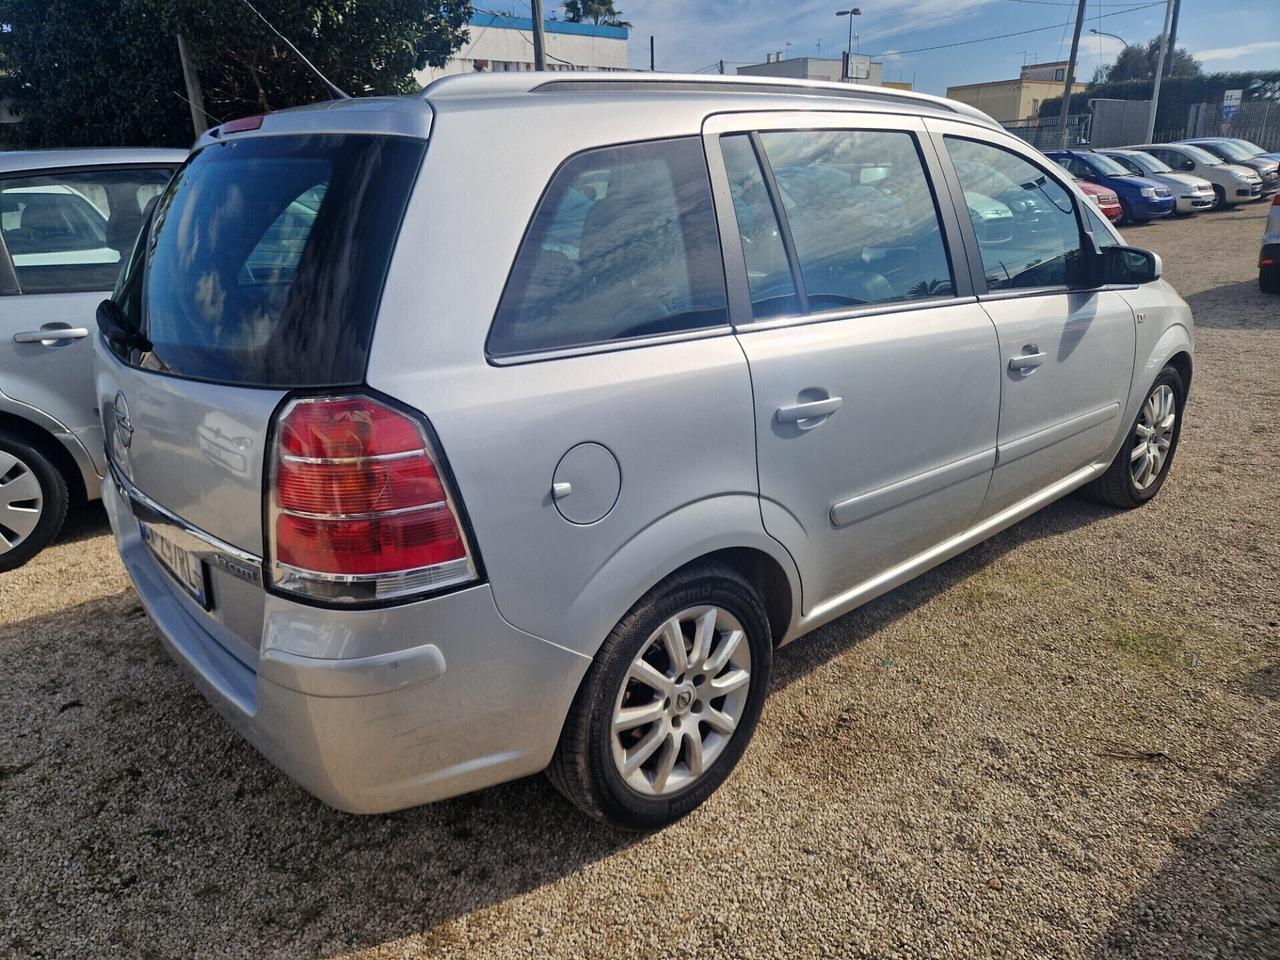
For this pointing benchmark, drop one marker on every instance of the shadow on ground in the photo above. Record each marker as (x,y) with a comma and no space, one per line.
(1189,911)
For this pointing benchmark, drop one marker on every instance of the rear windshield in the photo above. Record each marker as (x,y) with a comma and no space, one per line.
(266,259)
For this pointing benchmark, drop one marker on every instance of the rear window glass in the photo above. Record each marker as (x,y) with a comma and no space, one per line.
(71,231)
(267,256)
(624,244)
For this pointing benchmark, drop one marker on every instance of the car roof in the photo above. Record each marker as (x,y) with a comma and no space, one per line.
(21,161)
(594,94)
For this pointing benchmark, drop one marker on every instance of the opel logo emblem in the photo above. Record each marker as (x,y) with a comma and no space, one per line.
(124,426)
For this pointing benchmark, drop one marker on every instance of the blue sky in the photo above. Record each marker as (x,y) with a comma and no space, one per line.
(691,34)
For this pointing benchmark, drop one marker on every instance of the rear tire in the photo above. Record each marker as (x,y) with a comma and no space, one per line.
(627,755)
(33,501)
(1139,469)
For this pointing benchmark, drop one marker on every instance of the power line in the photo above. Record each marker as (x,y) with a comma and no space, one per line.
(1017,33)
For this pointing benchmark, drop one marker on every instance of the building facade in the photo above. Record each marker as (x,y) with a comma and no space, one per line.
(499,43)
(862,69)
(1018,99)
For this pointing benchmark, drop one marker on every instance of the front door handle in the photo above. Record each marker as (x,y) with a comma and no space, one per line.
(50,335)
(1031,358)
(812,410)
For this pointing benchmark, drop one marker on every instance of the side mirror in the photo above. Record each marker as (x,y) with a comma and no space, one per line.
(1188,165)
(1130,266)
(115,327)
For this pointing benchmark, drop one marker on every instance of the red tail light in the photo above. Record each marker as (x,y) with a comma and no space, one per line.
(360,508)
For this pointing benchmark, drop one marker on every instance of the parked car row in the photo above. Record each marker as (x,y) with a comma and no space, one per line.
(1157,180)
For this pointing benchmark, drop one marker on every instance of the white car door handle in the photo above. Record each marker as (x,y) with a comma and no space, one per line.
(809,411)
(1028,361)
(51,335)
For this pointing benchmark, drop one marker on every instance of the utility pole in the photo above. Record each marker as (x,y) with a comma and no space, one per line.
(539,38)
(1070,79)
(195,96)
(652,68)
(1173,38)
(1155,91)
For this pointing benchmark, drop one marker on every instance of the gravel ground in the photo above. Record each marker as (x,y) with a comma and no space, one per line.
(1061,744)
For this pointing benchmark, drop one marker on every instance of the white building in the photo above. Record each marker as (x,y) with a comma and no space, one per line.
(499,43)
(862,69)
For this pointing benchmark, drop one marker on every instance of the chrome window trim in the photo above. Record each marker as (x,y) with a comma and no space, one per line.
(610,346)
(886,308)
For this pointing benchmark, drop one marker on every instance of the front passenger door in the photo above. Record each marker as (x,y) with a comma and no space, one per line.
(1066,347)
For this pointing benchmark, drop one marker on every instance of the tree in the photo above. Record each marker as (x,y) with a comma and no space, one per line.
(1138,62)
(596,11)
(102,72)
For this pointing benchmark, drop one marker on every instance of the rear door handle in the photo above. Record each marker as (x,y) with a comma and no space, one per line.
(1031,358)
(812,410)
(50,335)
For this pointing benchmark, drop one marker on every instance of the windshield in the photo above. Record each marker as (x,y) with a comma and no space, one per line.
(1232,151)
(266,258)
(1149,163)
(1253,148)
(1200,155)
(1108,167)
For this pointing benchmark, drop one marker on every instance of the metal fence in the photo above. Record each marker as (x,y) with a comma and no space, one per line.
(1046,133)
(1117,123)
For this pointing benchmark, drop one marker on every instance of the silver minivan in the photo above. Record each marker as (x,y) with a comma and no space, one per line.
(512,426)
(68,219)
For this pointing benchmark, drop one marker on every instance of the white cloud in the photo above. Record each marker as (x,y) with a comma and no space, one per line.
(1232,53)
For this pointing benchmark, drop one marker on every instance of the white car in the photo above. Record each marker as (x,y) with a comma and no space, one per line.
(1191,194)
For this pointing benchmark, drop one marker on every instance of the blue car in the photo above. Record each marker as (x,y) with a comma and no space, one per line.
(1141,199)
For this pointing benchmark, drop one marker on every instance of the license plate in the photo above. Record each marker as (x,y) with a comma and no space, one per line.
(183,565)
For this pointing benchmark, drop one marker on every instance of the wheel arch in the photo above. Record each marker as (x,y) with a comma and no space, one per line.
(52,447)
(730,531)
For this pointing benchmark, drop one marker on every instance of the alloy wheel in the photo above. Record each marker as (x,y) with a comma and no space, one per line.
(21,501)
(683,696)
(1153,436)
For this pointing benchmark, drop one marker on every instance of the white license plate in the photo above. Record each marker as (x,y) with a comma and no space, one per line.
(183,565)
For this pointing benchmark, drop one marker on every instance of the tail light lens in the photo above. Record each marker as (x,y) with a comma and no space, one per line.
(360,510)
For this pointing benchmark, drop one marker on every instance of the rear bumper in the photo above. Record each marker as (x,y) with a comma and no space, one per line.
(372,710)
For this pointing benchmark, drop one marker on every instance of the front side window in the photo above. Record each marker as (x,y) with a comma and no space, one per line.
(69,232)
(1025,221)
(623,244)
(862,216)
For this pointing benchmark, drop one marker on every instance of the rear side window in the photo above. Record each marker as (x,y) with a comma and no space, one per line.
(861,214)
(623,244)
(1025,221)
(773,288)
(68,232)
(267,256)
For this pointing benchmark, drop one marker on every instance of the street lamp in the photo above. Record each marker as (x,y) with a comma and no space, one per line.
(1103,33)
(850,13)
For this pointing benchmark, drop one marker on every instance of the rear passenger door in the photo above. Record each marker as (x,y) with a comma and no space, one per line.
(875,372)
(1066,345)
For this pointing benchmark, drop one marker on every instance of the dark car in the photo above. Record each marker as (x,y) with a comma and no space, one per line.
(1234,152)
(1141,199)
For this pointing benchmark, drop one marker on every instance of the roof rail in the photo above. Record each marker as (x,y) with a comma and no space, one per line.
(516,82)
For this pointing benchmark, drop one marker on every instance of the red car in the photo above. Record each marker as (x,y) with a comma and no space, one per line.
(1104,199)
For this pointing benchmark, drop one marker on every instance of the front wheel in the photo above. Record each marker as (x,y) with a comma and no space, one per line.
(669,703)
(1139,469)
